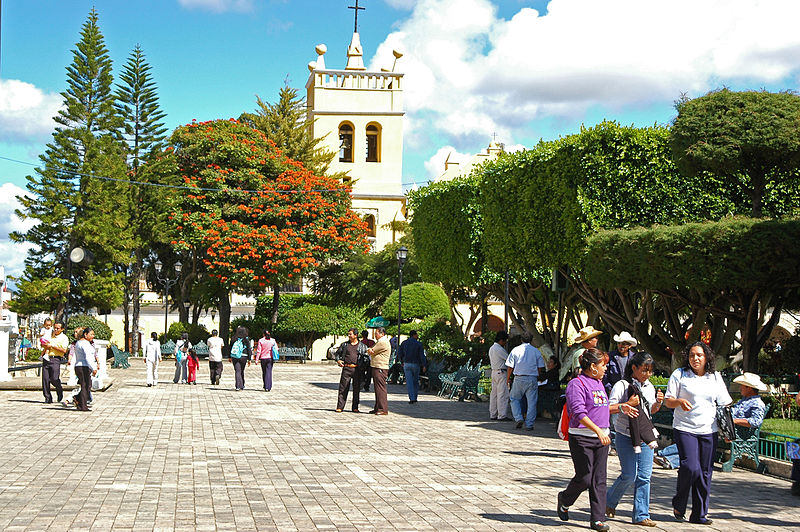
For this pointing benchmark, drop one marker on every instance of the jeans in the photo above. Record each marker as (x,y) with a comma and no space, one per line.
(636,470)
(412,380)
(524,386)
(181,370)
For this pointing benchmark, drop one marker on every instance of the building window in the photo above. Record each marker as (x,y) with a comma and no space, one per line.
(345,143)
(373,144)
(370,219)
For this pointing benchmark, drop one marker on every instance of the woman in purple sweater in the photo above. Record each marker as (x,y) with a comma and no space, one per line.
(587,405)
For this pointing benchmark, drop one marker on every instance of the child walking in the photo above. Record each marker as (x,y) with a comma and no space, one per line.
(193,363)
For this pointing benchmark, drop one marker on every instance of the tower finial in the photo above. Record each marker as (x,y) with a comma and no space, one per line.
(356,8)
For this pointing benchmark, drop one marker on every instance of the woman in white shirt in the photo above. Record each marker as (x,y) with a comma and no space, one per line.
(694,391)
(86,365)
(636,464)
(152,356)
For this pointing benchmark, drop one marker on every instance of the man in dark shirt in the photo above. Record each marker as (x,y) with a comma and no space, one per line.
(412,356)
(348,357)
(366,377)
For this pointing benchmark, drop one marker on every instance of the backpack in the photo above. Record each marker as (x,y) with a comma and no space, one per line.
(237,348)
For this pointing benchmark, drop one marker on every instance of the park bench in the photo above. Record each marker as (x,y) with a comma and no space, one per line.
(430,379)
(168,349)
(293,352)
(463,381)
(120,358)
(201,349)
(745,444)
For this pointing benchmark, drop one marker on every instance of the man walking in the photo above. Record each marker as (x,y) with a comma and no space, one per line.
(215,357)
(348,356)
(527,363)
(52,357)
(412,356)
(379,363)
(498,398)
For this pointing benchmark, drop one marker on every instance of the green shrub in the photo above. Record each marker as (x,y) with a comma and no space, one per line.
(420,300)
(196,332)
(101,330)
(33,354)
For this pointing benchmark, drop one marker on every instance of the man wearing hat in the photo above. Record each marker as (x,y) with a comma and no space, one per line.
(750,409)
(586,339)
(618,359)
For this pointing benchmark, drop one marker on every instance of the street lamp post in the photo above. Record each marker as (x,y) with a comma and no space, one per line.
(167,283)
(402,255)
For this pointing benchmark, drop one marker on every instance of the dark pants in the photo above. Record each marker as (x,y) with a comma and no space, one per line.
(379,381)
(348,375)
(393,375)
(694,474)
(238,369)
(795,471)
(51,374)
(266,372)
(590,459)
(84,374)
(215,369)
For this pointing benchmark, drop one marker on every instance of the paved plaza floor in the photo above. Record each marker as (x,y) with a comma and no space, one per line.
(179,457)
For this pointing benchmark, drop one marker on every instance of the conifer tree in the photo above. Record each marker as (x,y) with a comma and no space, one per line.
(143,131)
(71,203)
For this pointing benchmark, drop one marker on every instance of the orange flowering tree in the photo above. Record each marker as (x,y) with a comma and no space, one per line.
(257,217)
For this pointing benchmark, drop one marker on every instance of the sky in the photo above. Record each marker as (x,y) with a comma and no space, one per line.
(523,70)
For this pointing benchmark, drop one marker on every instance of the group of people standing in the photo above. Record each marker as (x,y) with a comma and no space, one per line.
(627,403)
(81,356)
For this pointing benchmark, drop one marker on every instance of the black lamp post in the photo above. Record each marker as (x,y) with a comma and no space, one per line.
(402,255)
(167,283)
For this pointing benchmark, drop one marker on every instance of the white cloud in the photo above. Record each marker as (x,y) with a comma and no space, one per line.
(12,254)
(401,4)
(470,73)
(26,112)
(219,6)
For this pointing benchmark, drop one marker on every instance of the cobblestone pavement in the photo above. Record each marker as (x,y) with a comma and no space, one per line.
(178,457)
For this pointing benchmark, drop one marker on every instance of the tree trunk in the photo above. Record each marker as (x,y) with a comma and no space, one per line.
(224,316)
(276,298)
(126,311)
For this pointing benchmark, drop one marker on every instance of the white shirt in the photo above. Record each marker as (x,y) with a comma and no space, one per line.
(152,350)
(619,395)
(46,332)
(215,349)
(85,354)
(497,356)
(705,393)
(525,359)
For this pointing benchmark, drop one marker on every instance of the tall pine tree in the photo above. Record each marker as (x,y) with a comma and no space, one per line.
(143,131)
(71,203)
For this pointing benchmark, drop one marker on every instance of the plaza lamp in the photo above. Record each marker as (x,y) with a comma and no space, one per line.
(402,255)
(167,283)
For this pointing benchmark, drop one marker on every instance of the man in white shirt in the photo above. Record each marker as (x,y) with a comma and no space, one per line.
(527,363)
(53,352)
(498,399)
(215,357)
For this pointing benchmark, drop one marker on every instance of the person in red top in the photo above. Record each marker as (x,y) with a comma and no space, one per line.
(192,364)
(265,358)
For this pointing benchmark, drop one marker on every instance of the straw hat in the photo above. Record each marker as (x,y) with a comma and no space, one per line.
(625,337)
(587,333)
(752,380)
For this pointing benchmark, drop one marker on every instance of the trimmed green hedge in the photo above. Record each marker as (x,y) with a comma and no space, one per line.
(196,332)
(101,330)
(420,300)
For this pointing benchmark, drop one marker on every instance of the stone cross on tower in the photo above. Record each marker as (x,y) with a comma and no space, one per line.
(356,8)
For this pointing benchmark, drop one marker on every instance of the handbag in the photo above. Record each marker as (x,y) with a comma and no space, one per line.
(725,424)
(275,354)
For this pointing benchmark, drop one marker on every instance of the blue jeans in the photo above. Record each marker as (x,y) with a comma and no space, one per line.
(524,386)
(412,380)
(636,470)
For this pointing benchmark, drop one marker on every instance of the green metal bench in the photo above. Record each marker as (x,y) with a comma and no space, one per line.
(168,349)
(464,381)
(430,379)
(201,348)
(120,358)
(745,444)
(293,352)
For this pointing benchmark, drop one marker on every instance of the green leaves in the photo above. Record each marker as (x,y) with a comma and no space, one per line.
(420,300)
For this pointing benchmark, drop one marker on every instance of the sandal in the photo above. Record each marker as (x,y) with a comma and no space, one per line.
(610,512)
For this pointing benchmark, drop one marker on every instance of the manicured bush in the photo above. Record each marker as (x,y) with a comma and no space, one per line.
(33,354)
(420,300)
(196,332)
(101,330)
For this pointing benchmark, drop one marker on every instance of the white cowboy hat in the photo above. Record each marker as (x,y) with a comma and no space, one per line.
(626,337)
(587,333)
(752,380)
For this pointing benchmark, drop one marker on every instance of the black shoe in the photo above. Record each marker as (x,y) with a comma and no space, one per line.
(519,424)
(678,516)
(599,525)
(701,521)
(563,511)
(796,488)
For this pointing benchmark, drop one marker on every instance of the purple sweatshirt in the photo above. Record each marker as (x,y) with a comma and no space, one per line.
(586,397)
